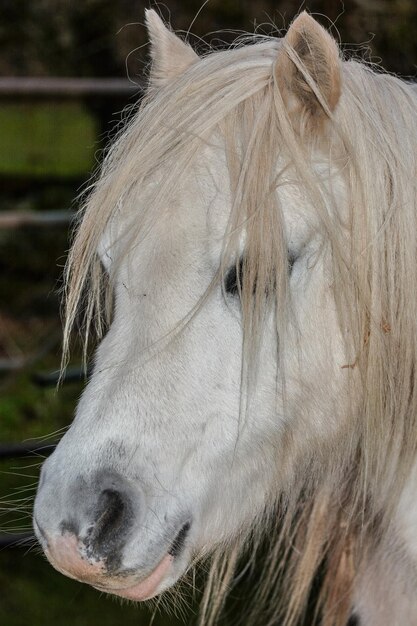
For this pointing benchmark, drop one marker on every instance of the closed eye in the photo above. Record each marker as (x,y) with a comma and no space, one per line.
(234,277)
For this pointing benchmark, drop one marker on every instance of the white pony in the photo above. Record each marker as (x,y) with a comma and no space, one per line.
(250,242)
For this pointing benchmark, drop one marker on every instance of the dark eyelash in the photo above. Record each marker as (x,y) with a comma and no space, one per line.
(234,276)
(231,280)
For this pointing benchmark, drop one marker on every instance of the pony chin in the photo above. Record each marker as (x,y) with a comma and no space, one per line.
(158,581)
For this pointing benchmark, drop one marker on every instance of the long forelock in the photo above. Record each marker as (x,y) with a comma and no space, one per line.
(166,134)
(372,142)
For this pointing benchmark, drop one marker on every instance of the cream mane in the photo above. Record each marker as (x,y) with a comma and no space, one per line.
(340,504)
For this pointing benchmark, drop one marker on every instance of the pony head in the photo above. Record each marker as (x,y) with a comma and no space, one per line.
(235,249)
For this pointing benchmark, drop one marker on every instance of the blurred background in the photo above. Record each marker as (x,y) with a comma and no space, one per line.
(68,69)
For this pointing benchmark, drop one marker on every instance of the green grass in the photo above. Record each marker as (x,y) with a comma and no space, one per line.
(46,139)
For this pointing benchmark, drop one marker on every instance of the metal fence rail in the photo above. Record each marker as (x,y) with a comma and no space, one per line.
(47,87)
(30,448)
(22,540)
(17,219)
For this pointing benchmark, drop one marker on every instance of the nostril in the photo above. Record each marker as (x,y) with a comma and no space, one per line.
(113,519)
(110,511)
(178,543)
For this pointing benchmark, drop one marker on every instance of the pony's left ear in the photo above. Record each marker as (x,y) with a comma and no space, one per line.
(308,71)
(169,54)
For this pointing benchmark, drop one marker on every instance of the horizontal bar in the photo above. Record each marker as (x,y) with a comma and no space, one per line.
(51,379)
(15,86)
(22,540)
(30,448)
(17,219)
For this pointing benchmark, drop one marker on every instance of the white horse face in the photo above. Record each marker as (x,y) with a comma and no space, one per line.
(160,464)
(159,460)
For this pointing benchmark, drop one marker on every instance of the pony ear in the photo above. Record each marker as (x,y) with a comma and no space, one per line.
(169,54)
(308,71)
